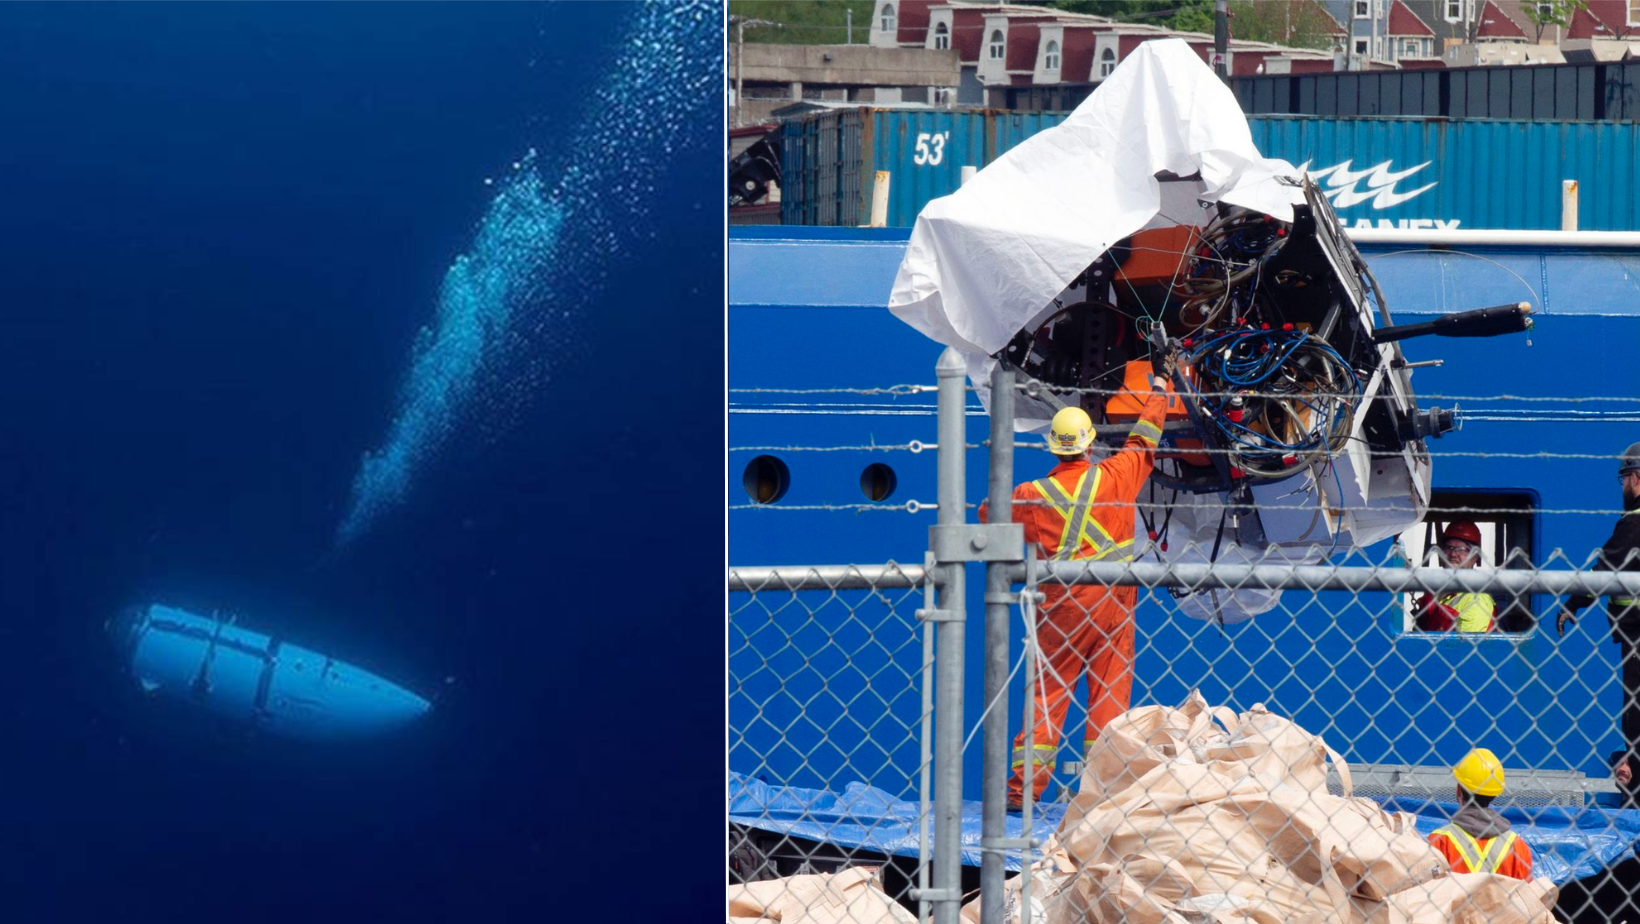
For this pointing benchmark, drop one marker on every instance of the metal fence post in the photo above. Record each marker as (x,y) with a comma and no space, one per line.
(948,668)
(994,745)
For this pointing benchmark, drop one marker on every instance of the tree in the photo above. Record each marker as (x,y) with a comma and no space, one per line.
(1294,23)
(1183,15)
(1551,13)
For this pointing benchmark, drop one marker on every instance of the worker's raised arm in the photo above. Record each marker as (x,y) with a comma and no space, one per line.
(1130,466)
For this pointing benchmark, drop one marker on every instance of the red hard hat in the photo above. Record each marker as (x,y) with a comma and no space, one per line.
(1465,530)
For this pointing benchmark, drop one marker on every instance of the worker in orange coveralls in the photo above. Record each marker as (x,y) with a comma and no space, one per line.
(1080,512)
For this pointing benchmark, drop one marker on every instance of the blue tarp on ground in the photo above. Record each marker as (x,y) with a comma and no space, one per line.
(1566,843)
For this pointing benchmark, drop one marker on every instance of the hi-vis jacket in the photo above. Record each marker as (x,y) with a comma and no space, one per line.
(1082,511)
(1505,854)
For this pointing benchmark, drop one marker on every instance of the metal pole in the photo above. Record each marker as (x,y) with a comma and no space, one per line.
(1221,38)
(848,18)
(824,577)
(1199,575)
(740,64)
(926,766)
(879,199)
(994,745)
(1568,205)
(948,669)
(1028,829)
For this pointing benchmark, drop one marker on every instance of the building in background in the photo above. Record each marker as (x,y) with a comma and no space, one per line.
(774,76)
(1471,33)
(1031,57)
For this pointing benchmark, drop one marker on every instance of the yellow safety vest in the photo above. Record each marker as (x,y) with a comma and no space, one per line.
(1080,525)
(1481,859)
(1474,611)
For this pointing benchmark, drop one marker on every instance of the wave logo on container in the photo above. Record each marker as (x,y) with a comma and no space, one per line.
(1346,187)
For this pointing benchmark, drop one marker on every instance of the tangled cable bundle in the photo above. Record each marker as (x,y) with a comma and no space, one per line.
(1278,399)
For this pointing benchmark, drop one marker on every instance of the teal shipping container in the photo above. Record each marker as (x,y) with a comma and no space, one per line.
(1378,172)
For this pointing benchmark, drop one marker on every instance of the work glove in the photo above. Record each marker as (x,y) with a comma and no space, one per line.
(1423,603)
(1566,618)
(1163,360)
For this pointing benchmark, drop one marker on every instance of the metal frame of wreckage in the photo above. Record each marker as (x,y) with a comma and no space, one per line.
(861,263)
(954,543)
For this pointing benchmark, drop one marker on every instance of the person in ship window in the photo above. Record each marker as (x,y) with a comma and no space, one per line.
(1463,612)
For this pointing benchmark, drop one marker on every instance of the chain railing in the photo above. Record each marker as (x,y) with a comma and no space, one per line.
(1327,793)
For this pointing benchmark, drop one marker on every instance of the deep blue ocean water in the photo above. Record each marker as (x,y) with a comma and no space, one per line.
(229,323)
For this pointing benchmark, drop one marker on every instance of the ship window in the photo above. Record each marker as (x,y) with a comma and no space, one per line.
(1507,526)
(766,479)
(877,482)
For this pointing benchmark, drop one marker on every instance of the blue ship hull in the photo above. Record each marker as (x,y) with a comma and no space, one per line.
(806,312)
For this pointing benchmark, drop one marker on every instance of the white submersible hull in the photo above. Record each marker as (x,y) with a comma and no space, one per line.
(255,679)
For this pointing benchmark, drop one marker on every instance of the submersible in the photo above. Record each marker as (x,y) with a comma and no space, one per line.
(256,679)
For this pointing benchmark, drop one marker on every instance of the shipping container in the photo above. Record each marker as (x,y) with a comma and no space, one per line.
(1379,172)
(1557,92)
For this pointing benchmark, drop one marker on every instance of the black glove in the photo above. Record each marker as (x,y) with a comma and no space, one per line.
(1163,353)
(1164,361)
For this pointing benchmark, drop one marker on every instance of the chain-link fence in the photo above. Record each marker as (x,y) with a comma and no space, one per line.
(829,703)
(1285,736)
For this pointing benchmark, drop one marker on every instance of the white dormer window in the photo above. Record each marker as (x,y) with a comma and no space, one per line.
(1409,48)
(1634,13)
(942,37)
(996,45)
(1050,59)
(1363,9)
(1107,62)
(1454,10)
(888,17)
(1545,10)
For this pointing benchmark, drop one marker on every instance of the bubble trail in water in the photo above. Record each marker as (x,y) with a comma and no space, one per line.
(540,252)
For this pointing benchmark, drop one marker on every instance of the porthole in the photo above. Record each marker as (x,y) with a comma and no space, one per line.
(766,479)
(877,482)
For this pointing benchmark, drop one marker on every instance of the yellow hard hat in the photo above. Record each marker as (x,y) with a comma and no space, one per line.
(1071,432)
(1480,772)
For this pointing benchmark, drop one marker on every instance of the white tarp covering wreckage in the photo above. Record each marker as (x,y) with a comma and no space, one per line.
(1148,215)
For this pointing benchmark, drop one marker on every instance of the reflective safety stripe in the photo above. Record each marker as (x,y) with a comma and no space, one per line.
(1622,601)
(1043,757)
(1080,524)
(1479,859)
(1147,431)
